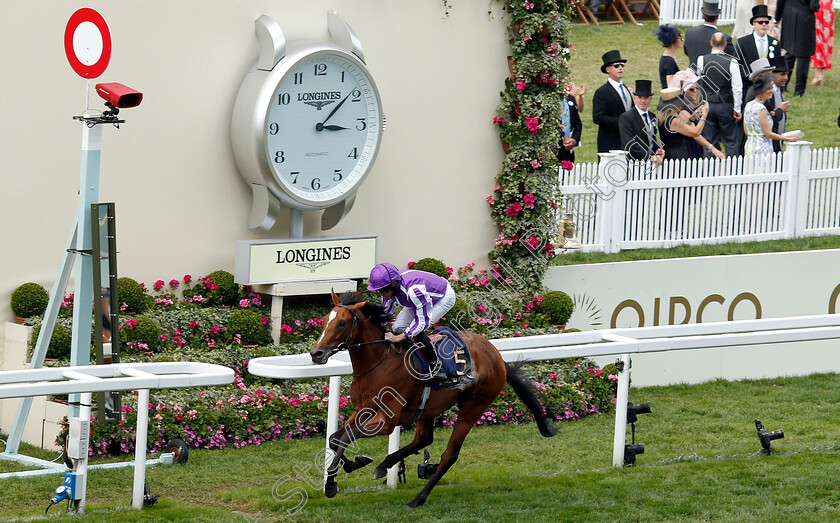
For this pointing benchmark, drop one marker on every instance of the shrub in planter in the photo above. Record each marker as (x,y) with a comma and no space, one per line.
(140,333)
(30,299)
(219,289)
(131,293)
(432,265)
(558,306)
(60,343)
(248,325)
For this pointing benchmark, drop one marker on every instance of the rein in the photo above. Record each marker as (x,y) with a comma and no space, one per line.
(344,345)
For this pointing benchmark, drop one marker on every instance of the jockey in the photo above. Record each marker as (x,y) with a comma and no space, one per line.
(425,298)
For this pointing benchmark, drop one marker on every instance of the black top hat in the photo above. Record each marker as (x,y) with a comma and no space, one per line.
(711,7)
(643,88)
(780,64)
(611,57)
(759,11)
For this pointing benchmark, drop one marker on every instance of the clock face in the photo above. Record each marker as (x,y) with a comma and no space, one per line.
(323,127)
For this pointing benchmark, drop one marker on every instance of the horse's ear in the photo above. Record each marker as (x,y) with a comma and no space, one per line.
(358,308)
(336,300)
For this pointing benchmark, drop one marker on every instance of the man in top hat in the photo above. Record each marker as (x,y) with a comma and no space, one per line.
(721,84)
(758,68)
(757,44)
(777,107)
(799,36)
(696,42)
(610,101)
(638,127)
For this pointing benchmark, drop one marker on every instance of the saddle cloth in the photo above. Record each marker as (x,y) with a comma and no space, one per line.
(451,351)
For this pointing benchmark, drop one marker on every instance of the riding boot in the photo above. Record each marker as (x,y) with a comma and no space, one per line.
(435,367)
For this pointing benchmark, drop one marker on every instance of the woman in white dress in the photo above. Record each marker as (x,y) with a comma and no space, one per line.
(757,124)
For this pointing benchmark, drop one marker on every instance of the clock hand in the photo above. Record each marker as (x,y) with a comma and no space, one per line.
(320,126)
(330,127)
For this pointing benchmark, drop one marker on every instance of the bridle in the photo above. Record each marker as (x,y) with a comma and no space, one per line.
(346,345)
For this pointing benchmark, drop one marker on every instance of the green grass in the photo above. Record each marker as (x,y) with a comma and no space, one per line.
(815,113)
(701,463)
(718,249)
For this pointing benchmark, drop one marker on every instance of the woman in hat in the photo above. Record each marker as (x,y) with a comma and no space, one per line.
(671,39)
(757,125)
(688,112)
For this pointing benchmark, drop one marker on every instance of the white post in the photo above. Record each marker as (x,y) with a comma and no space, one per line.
(616,175)
(621,397)
(82,465)
(140,448)
(332,419)
(666,11)
(799,165)
(393,446)
(276,317)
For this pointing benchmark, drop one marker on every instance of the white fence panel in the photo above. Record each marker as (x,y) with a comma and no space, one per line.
(688,12)
(619,205)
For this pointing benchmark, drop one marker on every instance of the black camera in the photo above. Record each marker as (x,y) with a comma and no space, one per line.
(766,437)
(634,410)
(426,469)
(631,451)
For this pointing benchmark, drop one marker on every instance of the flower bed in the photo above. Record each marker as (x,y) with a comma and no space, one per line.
(254,410)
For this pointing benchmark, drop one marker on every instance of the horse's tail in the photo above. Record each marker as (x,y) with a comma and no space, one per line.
(525,392)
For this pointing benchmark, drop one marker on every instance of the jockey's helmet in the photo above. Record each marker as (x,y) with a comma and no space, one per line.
(382,276)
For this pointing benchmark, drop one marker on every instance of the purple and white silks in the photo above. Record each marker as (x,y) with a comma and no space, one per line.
(426,298)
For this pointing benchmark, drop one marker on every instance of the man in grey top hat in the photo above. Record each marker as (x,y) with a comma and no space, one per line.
(697,38)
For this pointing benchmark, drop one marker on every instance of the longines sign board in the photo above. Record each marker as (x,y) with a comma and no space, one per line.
(293,260)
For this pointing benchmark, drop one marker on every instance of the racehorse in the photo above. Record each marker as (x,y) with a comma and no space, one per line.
(386,393)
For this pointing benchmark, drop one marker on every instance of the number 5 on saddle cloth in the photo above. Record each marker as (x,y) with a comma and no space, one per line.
(452,353)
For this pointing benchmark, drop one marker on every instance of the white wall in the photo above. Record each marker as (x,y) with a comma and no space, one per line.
(180,201)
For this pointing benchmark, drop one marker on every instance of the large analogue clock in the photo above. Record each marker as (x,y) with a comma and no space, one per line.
(307,124)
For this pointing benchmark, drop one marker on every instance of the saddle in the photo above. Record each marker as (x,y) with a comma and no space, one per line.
(451,352)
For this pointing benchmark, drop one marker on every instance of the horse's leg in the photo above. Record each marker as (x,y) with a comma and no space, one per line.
(468,414)
(349,432)
(423,437)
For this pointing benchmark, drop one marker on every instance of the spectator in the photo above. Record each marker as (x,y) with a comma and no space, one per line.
(687,82)
(571,128)
(798,36)
(722,86)
(757,44)
(777,106)
(743,9)
(638,127)
(680,122)
(671,39)
(610,101)
(825,41)
(697,38)
(757,124)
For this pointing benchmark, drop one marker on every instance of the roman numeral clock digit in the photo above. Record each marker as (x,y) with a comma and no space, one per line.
(307,124)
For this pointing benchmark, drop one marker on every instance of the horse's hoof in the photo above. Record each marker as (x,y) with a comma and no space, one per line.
(414,503)
(359,462)
(379,474)
(331,489)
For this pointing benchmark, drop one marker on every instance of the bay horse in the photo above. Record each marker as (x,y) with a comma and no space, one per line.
(386,393)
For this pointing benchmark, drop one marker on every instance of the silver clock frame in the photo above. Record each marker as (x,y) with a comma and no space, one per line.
(250,111)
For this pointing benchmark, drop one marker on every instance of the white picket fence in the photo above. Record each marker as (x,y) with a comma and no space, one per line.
(618,205)
(687,12)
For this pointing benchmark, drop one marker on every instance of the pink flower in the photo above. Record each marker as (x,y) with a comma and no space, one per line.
(612,377)
(159,285)
(173,284)
(529,200)
(187,278)
(490,199)
(244,303)
(513,209)
(520,85)
(553,376)
(567,165)
(265,320)
(533,125)
(131,323)
(215,329)
(411,264)
(535,164)
(532,243)
(496,119)
(194,324)
(285,329)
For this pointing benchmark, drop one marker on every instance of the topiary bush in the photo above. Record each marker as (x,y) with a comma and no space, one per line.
(432,265)
(558,306)
(60,343)
(140,333)
(30,299)
(132,295)
(248,325)
(219,289)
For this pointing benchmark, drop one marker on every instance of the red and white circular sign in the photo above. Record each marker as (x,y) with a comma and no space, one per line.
(87,43)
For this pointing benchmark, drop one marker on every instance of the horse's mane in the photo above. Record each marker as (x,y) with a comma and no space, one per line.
(373,311)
